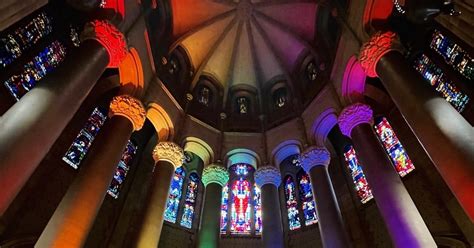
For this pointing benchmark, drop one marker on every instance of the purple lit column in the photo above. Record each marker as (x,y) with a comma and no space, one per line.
(403,221)
(268,179)
(315,161)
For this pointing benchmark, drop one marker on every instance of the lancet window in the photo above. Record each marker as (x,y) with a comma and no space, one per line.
(358,177)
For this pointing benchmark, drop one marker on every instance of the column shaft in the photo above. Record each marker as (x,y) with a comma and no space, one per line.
(31,126)
(331,226)
(272,230)
(403,221)
(76,213)
(445,135)
(209,230)
(152,223)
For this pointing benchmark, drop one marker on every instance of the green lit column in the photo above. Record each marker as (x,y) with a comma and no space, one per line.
(214,177)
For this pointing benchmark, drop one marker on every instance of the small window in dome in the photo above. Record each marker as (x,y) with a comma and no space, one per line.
(204,96)
(243,105)
(312,71)
(280,97)
(173,66)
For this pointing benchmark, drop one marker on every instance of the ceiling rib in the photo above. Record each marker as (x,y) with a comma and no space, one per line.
(232,64)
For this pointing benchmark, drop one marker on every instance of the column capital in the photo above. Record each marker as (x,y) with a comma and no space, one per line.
(314,156)
(110,38)
(170,152)
(215,173)
(267,175)
(130,108)
(353,115)
(374,49)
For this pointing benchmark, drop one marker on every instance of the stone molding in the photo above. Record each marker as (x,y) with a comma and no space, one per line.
(130,108)
(374,49)
(353,115)
(314,156)
(110,38)
(267,175)
(170,152)
(215,173)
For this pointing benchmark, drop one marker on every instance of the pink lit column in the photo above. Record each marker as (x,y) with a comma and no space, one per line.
(31,126)
(403,221)
(315,161)
(445,135)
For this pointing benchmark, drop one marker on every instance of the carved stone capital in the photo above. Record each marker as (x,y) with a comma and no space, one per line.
(215,173)
(374,49)
(170,152)
(108,36)
(267,175)
(353,115)
(130,108)
(314,156)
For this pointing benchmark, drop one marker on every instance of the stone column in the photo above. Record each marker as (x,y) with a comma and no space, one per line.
(75,215)
(445,135)
(214,177)
(168,156)
(315,161)
(403,221)
(31,126)
(268,179)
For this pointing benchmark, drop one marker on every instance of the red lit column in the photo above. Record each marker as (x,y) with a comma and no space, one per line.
(75,215)
(31,126)
(403,221)
(315,161)
(445,135)
(168,156)
(268,179)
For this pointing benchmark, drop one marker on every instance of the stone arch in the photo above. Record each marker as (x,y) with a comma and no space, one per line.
(353,82)
(131,74)
(286,149)
(200,148)
(161,121)
(323,125)
(242,155)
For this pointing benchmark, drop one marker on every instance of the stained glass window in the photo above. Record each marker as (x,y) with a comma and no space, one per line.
(83,141)
(394,148)
(257,204)
(122,169)
(172,205)
(453,54)
(361,185)
(190,201)
(243,105)
(240,207)
(224,208)
(435,76)
(312,71)
(204,96)
(280,97)
(15,43)
(306,197)
(292,203)
(43,63)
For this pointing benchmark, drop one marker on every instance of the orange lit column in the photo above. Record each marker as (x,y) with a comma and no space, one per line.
(73,219)
(401,217)
(31,126)
(214,177)
(268,179)
(168,156)
(315,161)
(445,135)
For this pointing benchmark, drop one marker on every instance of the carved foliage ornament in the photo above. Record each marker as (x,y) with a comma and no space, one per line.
(373,50)
(215,173)
(169,151)
(267,175)
(354,115)
(108,36)
(130,108)
(314,156)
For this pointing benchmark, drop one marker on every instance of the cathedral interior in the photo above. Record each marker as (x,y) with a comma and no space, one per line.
(236,123)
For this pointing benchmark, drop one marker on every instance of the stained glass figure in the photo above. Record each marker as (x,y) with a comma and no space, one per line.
(257,204)
(204,96)
(122,169)
(453,54)
(306,198)
(224,208)
(190,201)
(78,150)
(172,204)
(45,62)
(243,105)
(435,76)
(240,207)
(361,185)
(13,45)
(394,148)
(292,204)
